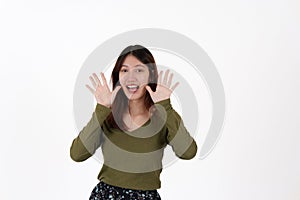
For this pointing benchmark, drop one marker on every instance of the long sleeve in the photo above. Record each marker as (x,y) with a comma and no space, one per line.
(90,137)
(177,136)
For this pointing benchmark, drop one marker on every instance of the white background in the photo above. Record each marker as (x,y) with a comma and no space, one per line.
(254,44)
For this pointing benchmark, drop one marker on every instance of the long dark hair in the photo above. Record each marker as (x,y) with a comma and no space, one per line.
(120,104)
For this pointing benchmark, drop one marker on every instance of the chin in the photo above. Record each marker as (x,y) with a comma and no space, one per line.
(135,96)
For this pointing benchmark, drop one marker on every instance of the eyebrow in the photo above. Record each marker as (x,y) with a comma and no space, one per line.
(139,65)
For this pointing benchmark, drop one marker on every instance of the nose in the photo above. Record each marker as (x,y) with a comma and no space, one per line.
(131,75)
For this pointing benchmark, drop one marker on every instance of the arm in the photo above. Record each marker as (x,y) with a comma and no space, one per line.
(90,137)
(178,137)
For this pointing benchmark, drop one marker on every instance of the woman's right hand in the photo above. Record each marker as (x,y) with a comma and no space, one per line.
(101,91)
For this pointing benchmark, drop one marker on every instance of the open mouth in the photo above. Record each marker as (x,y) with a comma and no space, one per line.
(132,88)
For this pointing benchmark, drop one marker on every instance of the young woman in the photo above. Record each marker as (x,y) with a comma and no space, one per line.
(132,124)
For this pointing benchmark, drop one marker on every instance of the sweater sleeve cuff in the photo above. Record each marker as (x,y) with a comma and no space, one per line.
(102,108)
(102,112)
(166,103)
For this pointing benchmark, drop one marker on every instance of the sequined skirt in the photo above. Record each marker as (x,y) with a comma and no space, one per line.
(104,191)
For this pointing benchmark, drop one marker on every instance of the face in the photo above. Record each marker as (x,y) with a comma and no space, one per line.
(133,76)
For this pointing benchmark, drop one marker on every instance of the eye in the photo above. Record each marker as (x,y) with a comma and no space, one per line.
(123,70)
(139,70)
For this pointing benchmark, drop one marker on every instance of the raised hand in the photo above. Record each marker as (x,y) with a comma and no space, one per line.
(163,89)
(101,91)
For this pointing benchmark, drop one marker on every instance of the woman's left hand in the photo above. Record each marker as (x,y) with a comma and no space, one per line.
(163,89)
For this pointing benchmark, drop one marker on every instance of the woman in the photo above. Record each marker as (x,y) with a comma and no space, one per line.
(133,123)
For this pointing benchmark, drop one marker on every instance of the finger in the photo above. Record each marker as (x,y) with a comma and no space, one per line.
(97,79)
(114,93)
(103,79)
(170,80)
(90,89)
(93,81)
(166,77)
(159,77)
(117,89)
(148,88)
(174,86)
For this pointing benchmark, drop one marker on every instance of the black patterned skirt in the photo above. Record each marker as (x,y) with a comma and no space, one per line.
(104,191)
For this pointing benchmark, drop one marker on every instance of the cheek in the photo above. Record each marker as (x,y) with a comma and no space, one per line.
(144,79)
(121,80)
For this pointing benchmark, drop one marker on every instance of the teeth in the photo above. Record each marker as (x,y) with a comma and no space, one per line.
(132,86)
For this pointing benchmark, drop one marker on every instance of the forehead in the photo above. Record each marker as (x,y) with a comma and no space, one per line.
(132,61)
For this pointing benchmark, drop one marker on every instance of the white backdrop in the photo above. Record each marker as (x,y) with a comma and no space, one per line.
(255,46)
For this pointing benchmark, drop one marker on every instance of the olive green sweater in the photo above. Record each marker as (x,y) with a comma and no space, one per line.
(133,159)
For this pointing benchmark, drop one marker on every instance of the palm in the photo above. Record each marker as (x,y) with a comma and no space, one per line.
(163,89)
(101,91)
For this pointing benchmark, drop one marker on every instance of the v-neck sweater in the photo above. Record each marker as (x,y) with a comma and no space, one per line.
(133,159)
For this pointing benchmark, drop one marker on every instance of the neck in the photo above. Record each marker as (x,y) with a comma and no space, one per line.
(136,107)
